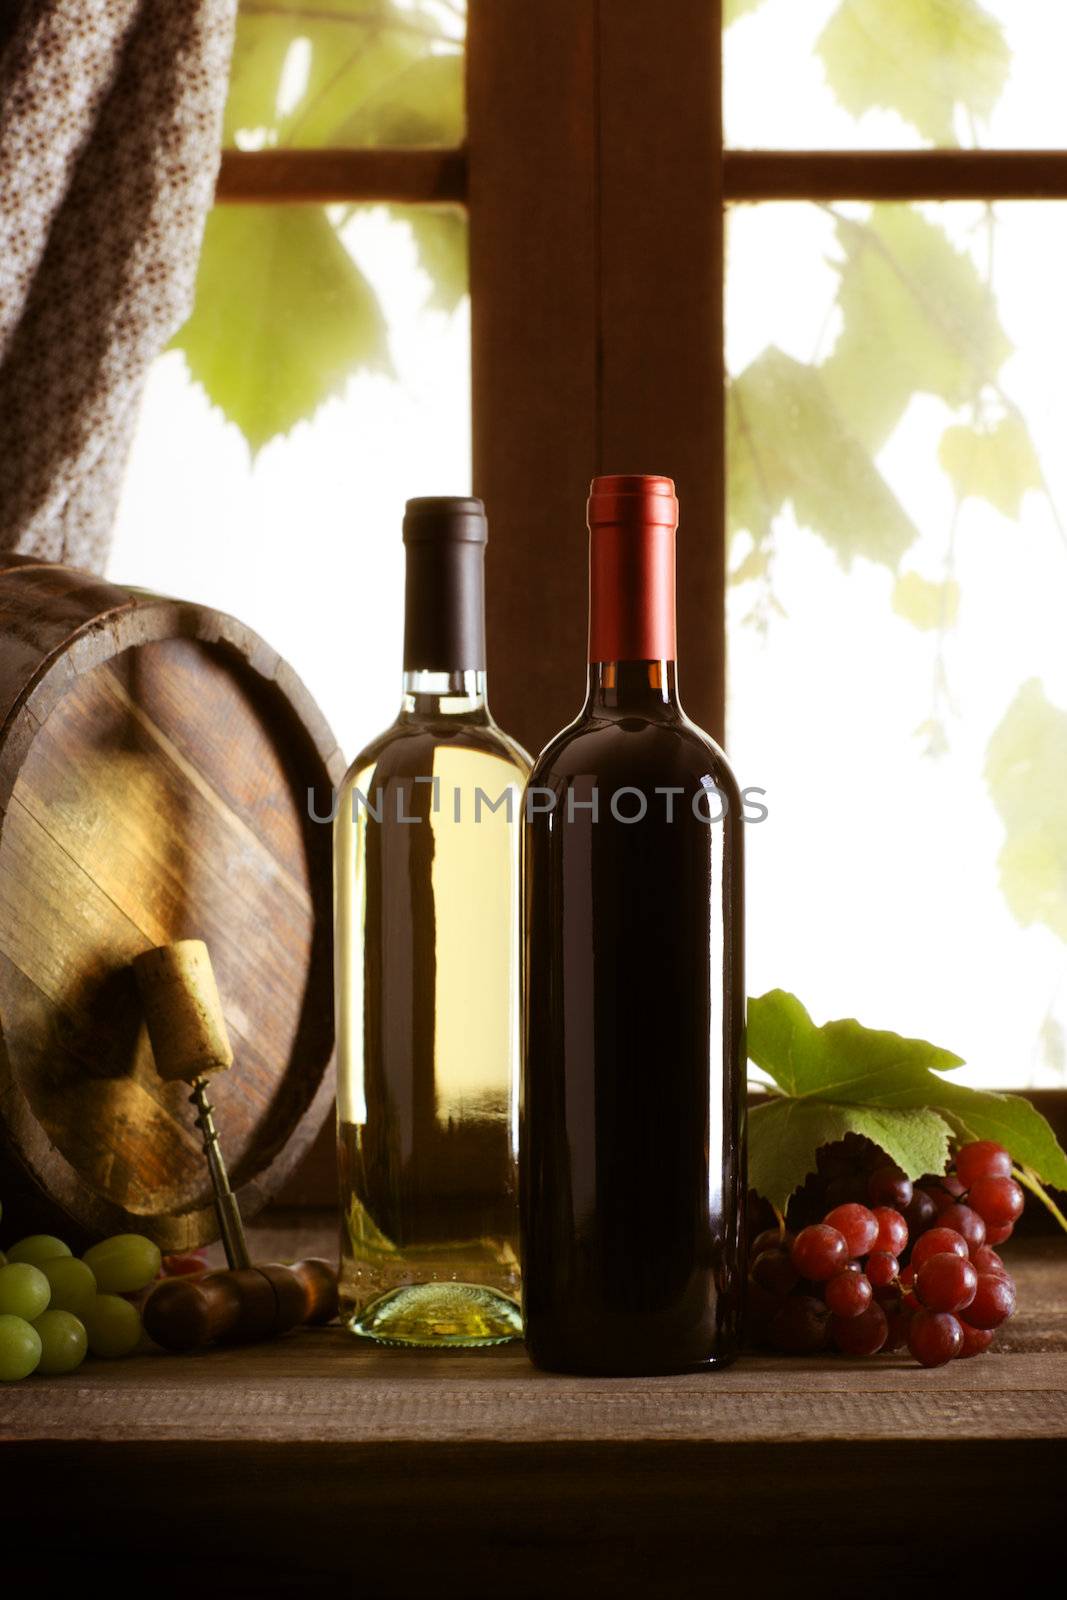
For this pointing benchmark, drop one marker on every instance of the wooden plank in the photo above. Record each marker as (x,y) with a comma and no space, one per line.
(661,304)
(439,176)
(319,1455)
(294,1391)
(298,1390)
(895,175)
(320,177)
(532,157)
(597,335)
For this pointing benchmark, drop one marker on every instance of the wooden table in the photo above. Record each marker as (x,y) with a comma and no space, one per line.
(320,1461)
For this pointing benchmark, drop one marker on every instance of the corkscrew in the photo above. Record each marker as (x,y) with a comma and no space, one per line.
(190,1043)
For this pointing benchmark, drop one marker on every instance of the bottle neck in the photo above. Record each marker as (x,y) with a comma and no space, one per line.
(646,688)
(631,592)
(433,695)
(444,610)
(632,630)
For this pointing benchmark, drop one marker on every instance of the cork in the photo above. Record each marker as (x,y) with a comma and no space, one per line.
(183,1011)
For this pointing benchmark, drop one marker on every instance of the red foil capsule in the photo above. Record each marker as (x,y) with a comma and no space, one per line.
(632,523)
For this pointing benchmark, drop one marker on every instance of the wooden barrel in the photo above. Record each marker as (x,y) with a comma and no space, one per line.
(155,762)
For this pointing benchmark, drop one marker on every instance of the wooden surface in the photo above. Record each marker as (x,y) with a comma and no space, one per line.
(319,177)
(439,176)
(596,309)
(154,765)
(660,268)
(325,1457)
(895,174)
(531,129)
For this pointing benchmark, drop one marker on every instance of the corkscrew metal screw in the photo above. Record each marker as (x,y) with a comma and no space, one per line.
(231,1227)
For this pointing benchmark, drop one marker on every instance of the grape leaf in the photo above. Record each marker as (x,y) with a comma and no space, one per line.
(925,604)
(1054,1045)
(421,102)
(1013,1122)
(935,736)
(261,46)
(733,9)
(1026,770)
(441,236)
(871,1078)
(916,317)
(756,564)
(375,75)
(265,35)
(842,1061)
(997,464)
(922,58)
(788,443)
(784,1135)
(271,341)
(282,314)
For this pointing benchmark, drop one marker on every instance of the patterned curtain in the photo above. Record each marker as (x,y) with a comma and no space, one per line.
(110,119)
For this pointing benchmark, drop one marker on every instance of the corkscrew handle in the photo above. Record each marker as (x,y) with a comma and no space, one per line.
(240,1307)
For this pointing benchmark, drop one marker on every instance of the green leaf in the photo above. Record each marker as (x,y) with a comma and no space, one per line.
(916,318)
(997,464)
(282,317)
(1054,1045)
(789,443)
(733,9)
(756,564)
(922,58)
(420,102)
(841,1061)
(440,235)
(1026,770)
(785,1134)
(267,32)
(1012,1122)
(441,238)
(375,75)
(924,604)
(934,735)
(260,47)
(852,1071)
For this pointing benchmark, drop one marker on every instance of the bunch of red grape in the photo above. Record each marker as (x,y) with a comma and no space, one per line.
(883,1263)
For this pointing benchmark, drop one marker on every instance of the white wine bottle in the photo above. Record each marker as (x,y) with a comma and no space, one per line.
(426,880)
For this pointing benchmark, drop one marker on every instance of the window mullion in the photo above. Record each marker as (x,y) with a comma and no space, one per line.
(323,177)
(752,175)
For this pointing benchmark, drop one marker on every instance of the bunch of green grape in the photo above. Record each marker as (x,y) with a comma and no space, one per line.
(55,1308)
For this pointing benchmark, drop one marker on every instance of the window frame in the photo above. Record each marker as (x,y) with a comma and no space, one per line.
(594,146)
(594,150)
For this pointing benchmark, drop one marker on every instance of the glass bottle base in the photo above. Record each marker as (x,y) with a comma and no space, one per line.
(436,1316)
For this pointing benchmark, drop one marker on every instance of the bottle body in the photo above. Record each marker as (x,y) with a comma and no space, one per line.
(427,953)
(426,863)
(632,1126)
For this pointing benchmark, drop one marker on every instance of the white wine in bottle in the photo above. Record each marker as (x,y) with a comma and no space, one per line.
(426,872)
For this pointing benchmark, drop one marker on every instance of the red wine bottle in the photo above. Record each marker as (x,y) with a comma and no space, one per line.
(632,1136)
